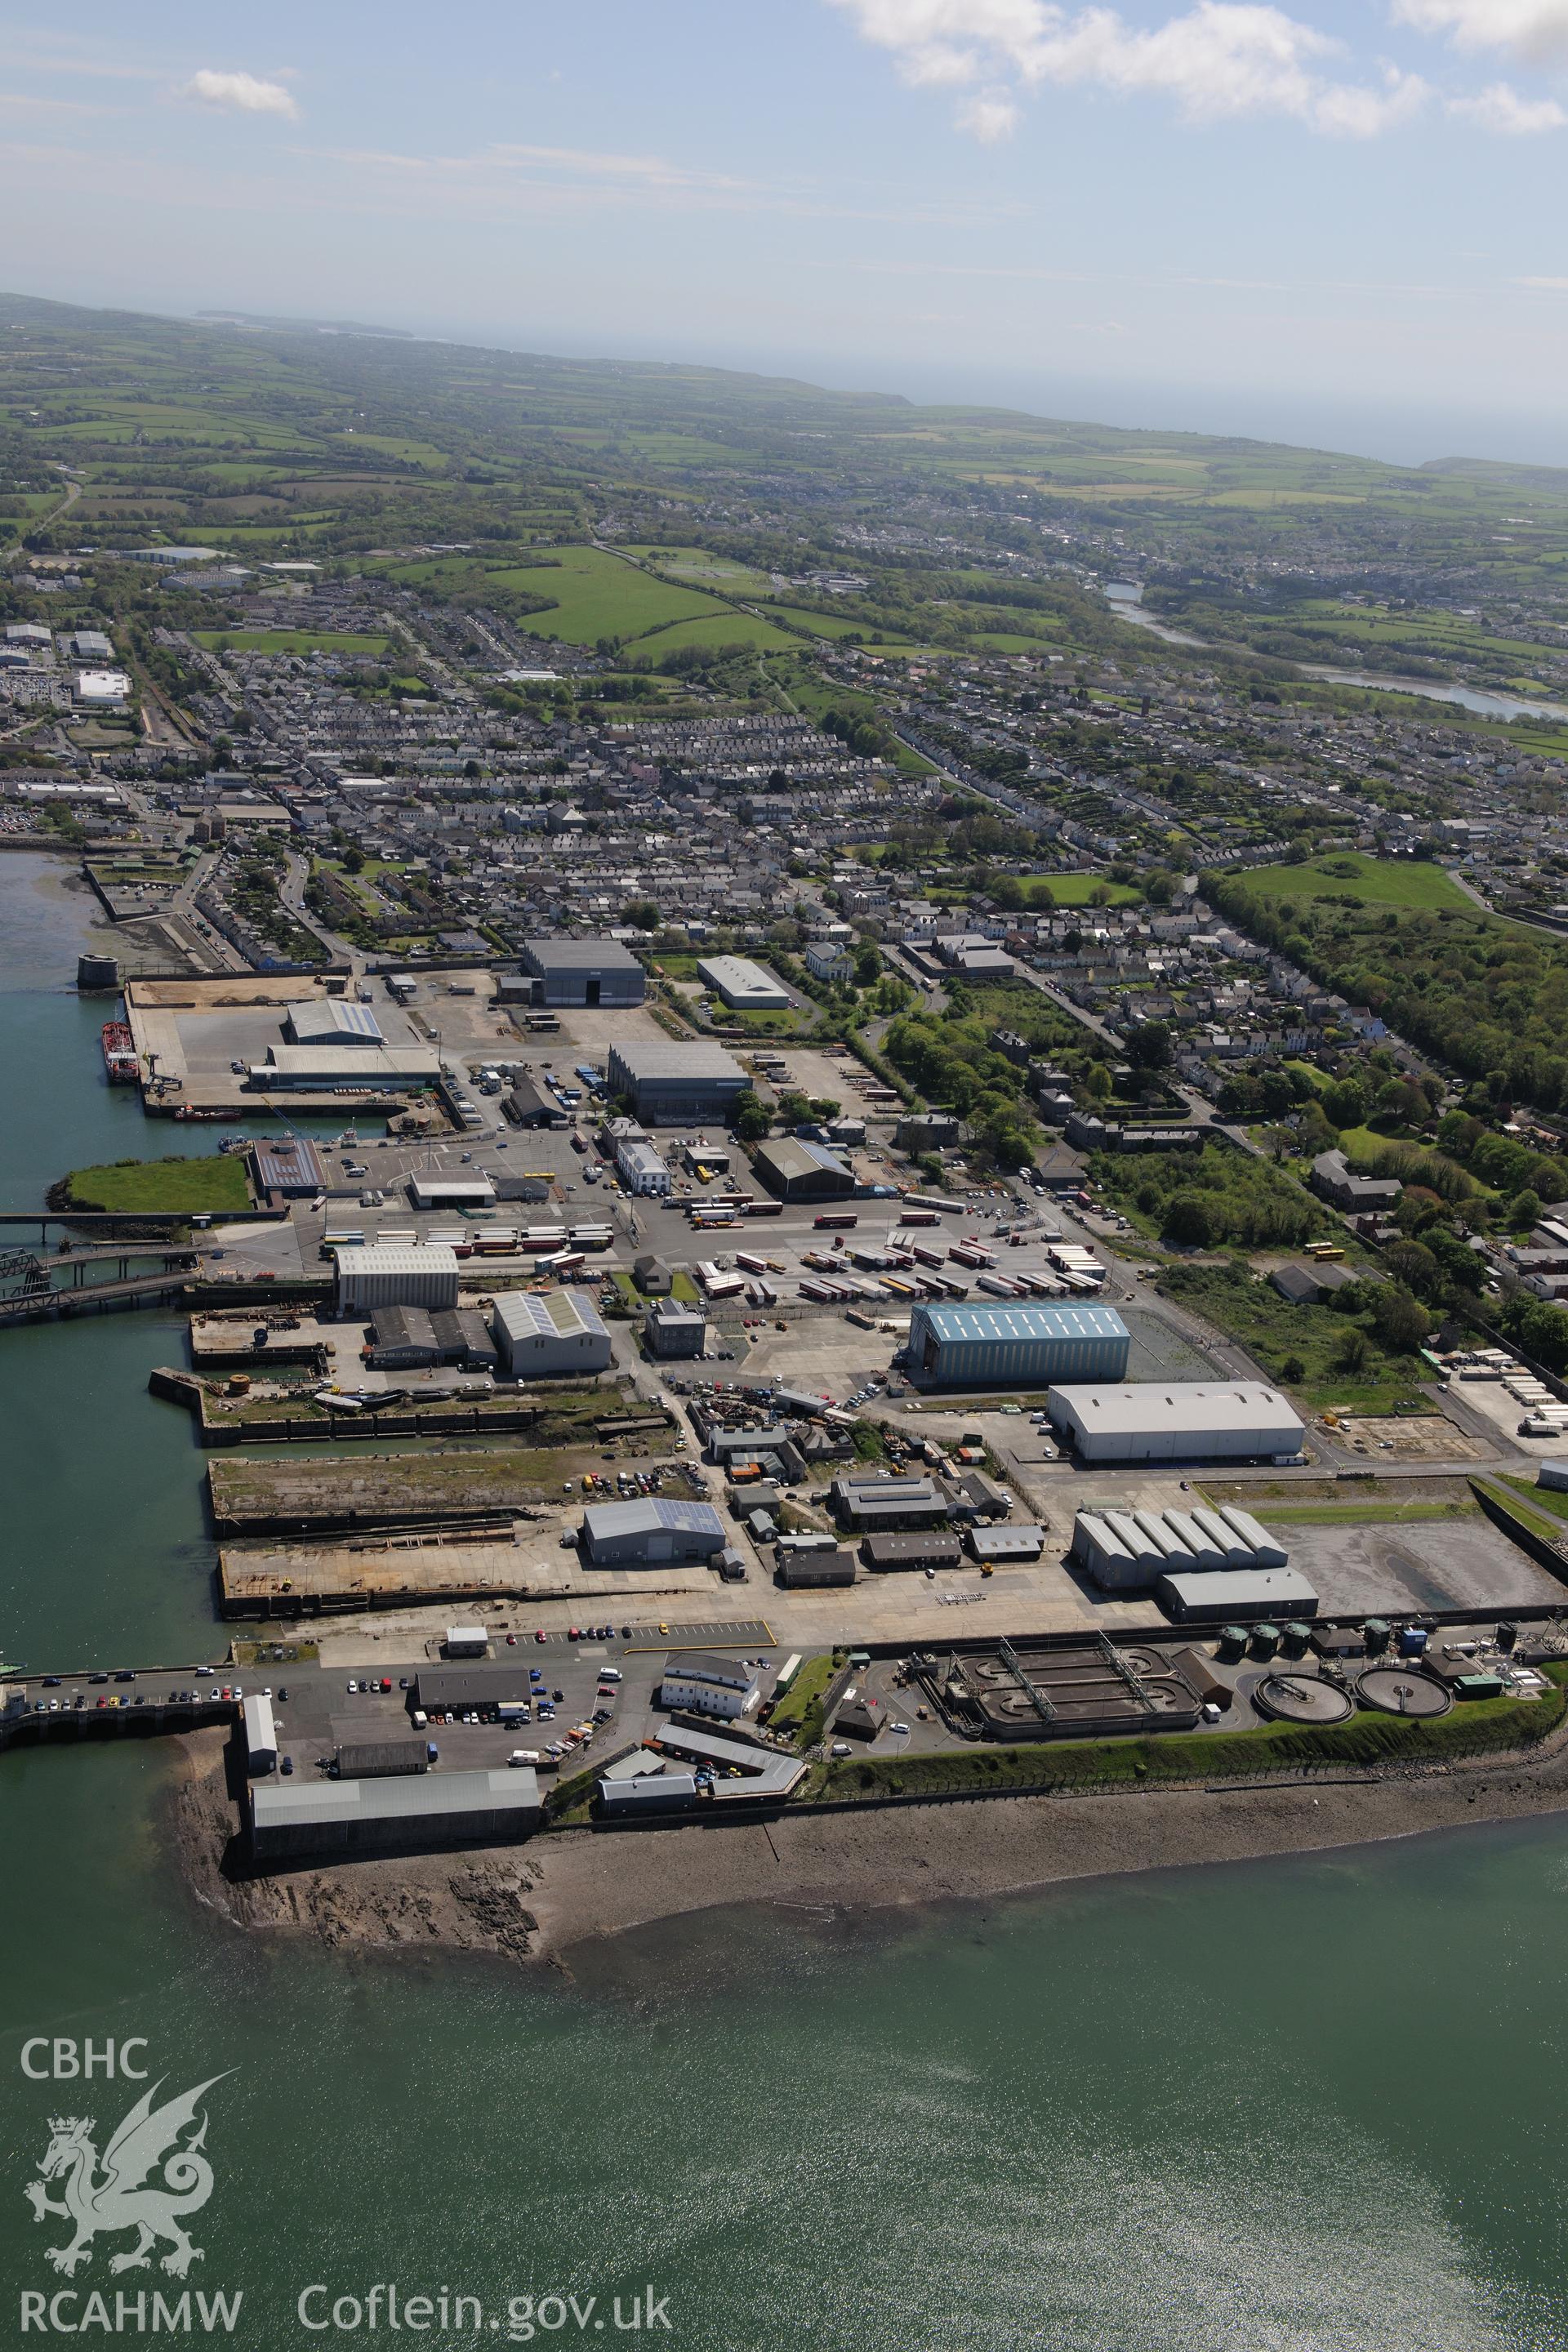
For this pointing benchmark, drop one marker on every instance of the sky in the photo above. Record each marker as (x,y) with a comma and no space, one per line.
(1333,221)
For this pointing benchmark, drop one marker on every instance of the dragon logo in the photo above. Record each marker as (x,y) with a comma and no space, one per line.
(150,2182)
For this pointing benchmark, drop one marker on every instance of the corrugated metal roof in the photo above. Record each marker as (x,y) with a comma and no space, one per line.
(396,1257)
(1003,1322)
(546,1314)
(297,1805)
(604,1519)
(578,955)
(661,1057)
(326,1017)
(1178,1406)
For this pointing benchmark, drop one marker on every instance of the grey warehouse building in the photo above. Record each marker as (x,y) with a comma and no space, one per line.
(642,1534)
(583,972)
(796,1169)
(676,1085)
(396,1814)
(1015,1347)
(1183,1420)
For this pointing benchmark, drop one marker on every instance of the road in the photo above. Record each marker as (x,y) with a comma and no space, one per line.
(291,894)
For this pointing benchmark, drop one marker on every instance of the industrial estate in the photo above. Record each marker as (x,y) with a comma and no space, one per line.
(794,1165)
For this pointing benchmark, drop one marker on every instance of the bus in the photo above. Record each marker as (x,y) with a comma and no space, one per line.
(836,1220)
(1324,1249)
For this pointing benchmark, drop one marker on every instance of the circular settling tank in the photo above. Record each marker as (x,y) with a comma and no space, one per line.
(1301,1698)
(1404,1690)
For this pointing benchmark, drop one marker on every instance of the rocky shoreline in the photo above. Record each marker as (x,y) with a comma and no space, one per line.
(536,1903)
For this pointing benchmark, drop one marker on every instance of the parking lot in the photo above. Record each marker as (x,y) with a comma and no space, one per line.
(561,1682)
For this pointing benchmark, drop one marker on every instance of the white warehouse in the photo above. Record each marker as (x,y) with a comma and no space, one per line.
(1182,1420)
(392,1274)
(539,1332)
(744,986)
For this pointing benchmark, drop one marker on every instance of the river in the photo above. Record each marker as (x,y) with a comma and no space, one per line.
(1273,2107)
(1125,598)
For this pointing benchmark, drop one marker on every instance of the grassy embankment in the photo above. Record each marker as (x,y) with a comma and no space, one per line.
(799,1714)
(214,1187)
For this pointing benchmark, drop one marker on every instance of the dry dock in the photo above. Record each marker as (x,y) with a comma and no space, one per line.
(444,1567)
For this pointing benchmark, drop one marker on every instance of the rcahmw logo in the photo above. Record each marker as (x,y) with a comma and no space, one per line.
(153,2176)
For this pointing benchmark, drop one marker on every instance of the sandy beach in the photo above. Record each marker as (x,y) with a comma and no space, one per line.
(537,1902)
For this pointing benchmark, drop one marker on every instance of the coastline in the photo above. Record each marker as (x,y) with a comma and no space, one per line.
(541,1901)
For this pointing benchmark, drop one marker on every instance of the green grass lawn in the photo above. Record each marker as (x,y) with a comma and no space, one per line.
(216,1185)
(599,595)
(706,570)
(799,1713)
(1075,889)
(1376,881)
(292,641)
(1358,1515)
(724,628)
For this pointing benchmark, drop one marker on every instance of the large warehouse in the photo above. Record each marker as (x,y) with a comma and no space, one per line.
(744,986)
(583,972)
(331,1021)
(540,1332)
(414,1809)
(1015,1347)
(794,1170)
(1182,1421)
(329,1069)
(393,1274)
(862,1500)
(676,1084)
(1242,1597)
(640,1535)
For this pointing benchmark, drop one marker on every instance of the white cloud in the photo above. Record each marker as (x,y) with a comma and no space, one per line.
(1224,58)
(1500,108)
(1534,29)
(988,116)
(239,93)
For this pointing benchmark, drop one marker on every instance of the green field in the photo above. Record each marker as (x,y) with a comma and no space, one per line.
(1075,889)
(217,1185)
(723,629)
(292,641)
(595,594)
(1376,881)
(706,570)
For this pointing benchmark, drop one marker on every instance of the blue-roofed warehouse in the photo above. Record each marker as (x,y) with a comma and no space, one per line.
(1006,1347)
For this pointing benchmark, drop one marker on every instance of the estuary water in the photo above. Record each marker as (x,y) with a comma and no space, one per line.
(1125,598)
(1310,2106)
